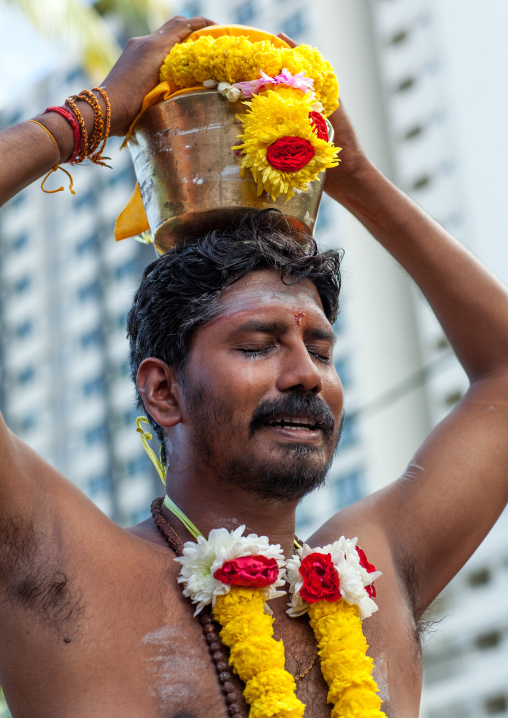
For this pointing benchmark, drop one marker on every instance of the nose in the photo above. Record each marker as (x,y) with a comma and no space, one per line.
(299,370)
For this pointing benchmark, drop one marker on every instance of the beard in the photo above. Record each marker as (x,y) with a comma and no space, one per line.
(292,471)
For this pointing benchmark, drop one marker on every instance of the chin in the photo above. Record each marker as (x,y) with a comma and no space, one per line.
(299,471)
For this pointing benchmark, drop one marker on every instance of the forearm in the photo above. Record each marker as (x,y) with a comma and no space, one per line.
(28,152)
(470,303)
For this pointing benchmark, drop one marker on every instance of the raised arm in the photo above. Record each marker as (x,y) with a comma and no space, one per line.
(31,491)
(451,495)
(28,152)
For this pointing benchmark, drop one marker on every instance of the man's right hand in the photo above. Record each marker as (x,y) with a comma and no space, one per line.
(137,70)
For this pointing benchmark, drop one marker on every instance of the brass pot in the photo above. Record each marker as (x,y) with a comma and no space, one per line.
(189,176)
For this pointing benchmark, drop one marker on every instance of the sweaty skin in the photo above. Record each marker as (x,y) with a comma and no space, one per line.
(92,620)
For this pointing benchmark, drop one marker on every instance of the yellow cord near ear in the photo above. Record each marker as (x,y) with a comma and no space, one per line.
(145,438)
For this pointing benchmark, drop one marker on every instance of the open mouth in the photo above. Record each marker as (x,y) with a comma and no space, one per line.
(296,423)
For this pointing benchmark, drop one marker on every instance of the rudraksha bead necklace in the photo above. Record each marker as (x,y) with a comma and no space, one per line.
(214,644)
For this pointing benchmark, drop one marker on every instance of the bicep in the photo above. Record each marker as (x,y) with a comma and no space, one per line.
(453,491)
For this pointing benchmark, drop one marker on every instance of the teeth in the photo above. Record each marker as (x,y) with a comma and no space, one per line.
(298,424)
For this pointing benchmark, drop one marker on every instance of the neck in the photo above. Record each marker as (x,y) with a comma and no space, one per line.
(210,505)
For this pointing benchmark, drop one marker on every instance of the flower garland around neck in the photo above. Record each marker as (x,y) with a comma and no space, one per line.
(237,575)
(290,91)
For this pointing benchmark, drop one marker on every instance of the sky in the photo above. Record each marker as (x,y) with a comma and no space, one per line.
(474,52)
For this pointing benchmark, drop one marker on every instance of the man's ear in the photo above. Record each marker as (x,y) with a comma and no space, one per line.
(160,390)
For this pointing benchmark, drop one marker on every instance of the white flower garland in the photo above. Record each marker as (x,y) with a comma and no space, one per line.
(202,559)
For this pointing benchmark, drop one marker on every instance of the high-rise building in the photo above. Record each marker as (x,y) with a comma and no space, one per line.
(66,289)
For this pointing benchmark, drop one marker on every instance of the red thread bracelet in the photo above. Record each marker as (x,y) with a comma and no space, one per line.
(71,119)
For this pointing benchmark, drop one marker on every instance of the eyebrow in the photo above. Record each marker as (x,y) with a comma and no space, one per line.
(281,328)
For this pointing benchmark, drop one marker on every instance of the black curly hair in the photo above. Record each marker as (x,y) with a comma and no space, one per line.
(180,291)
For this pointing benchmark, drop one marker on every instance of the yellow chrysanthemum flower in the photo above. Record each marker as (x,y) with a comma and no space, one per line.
(281,112)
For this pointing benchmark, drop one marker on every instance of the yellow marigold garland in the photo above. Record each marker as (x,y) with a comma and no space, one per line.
(235,59)
(255,655)
(345,666)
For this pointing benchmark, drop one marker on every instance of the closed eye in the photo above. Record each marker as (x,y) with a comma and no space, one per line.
(255,352)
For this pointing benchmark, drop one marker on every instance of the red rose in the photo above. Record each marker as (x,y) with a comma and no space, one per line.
(249,571)
(369,567)
(289,154)
(319,123)
(320,578)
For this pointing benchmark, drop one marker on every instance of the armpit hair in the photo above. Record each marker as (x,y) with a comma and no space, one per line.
(424,624)
(31,574)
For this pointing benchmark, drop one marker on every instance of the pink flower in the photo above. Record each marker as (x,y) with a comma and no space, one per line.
(298,81)
(248,571)
(252,87)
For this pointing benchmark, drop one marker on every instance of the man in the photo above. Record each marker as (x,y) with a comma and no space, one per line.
(92,620)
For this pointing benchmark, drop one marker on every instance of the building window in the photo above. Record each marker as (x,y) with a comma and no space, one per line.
(94,386)
(129,417)
(126,270)
(135,466)
(413,132)
(479,578)
(91,339)
(348,436)
(245,13)
(399,37)
(191,9)
(349,488)
(124,175)
(19,242)
(485,641)
(21,286)
(84,200)
(123,369)
(99,485)
(453,398)
(89,291)
(338,325)
(342,367)
(406,84)
(97,434)
(136,517)
(89,244)
(26,376)
(24,329)
(324,214)
(421,182)
(294,25)
(496,704)
(27,423)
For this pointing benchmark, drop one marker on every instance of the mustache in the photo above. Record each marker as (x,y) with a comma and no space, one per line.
(295,404)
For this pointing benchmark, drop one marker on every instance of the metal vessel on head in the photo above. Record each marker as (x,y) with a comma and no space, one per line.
(190,176)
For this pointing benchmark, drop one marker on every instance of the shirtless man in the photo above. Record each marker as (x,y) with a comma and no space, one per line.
(92,621)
